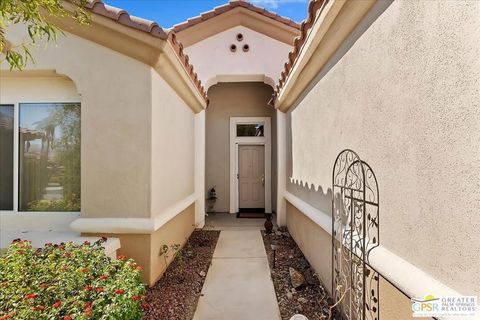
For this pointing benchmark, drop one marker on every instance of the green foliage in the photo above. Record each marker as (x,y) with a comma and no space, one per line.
(180,255)
(54,205)
(166,250)
(35,14)
(181,259)
(68,281)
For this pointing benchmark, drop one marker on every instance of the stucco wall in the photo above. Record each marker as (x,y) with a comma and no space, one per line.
(316,245)
(145,248)
(403,92)
(233,100)
(116,110)
(137,133)
(176,231)
(173,147)
(212,56)
(39,87)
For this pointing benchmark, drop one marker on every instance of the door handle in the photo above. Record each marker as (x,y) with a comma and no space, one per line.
(263,180)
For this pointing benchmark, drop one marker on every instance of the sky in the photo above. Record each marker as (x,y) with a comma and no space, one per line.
(169,12)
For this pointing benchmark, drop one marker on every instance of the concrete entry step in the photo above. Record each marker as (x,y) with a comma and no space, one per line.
(240,244)
(229,221)
(238,284)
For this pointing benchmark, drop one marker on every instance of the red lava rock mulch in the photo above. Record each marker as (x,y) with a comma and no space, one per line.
(175,295)
(312,299)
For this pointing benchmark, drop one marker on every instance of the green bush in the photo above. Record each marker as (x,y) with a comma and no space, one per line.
(53,205)
(68,281)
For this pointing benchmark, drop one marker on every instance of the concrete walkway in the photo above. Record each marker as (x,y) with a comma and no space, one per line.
(238,284)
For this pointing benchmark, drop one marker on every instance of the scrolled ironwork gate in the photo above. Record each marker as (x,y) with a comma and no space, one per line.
(355,233)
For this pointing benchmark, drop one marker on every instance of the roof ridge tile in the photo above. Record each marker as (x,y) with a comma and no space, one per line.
(178,48)
(232,5)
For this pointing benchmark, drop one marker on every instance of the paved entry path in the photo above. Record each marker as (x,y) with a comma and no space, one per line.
(238,284)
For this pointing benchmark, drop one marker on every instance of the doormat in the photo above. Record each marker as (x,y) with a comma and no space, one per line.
(255,215)
(251,213)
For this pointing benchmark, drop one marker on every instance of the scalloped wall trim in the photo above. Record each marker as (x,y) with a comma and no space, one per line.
(306,184)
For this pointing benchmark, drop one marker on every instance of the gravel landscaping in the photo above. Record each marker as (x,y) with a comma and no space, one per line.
(175,295)
(298,289)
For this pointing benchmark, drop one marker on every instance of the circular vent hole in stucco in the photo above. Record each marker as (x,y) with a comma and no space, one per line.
(246,48)
(240,37)
(233,48)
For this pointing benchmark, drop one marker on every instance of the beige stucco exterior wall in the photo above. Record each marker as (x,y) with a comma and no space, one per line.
(233,100)
(116,110)
(316,245)
(405,95)
(137,134)
(145,248)
(212,56)
(46,87)
(173,147)
(176,231)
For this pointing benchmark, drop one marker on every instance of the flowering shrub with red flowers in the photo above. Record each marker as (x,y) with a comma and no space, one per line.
(68,282)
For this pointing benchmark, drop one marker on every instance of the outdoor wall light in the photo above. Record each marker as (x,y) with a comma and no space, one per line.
(233,48)
(274,247)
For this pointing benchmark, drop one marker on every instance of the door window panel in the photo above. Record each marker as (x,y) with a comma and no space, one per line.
(6,157)
(49,157)
(250,130)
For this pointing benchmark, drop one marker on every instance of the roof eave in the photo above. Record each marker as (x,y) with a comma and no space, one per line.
(186,83)
(329,27)
(238,16)
(148,46)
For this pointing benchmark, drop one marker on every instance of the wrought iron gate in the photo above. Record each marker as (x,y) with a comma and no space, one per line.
(355,233)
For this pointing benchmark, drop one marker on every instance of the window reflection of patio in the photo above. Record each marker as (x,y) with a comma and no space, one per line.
(49,157)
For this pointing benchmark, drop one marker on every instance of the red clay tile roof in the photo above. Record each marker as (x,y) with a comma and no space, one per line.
(123,17)
(314,7)
(151,27)
(229,6)
(172,38)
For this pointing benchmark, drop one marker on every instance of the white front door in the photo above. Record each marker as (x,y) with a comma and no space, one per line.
(251,175)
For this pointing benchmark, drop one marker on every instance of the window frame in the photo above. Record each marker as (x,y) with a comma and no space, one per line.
(16,155)
(15,138)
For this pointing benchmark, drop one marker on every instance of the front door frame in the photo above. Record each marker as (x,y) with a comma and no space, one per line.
(235,141)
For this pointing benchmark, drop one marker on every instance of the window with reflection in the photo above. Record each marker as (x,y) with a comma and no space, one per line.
(250,130)
(6,157)
(49,157)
